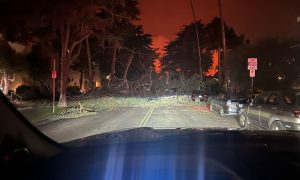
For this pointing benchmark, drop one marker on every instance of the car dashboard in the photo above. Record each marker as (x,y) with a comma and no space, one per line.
(174,154)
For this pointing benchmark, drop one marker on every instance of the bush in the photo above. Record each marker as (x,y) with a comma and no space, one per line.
(28,92)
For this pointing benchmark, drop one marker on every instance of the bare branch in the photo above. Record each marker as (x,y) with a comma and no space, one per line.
(97,52)
(61,37)
(11,80)
(113,14)
(67,34)
(132,51)
(79,41)
(122,64)
(75,56)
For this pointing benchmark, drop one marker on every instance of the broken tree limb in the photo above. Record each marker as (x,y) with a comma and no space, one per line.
(125,81)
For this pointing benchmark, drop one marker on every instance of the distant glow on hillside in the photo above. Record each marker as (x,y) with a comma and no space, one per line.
(157,66)
(214,67)
(159,43)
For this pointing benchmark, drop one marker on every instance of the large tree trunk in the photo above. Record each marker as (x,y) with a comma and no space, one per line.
(65,68)
(113,63)
(6,84)
(91,79)
(65,35)
(81,80)
(128,66)
(70,50)
(126,71)
(63,85)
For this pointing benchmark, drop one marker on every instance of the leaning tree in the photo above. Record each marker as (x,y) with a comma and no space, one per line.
(69,23)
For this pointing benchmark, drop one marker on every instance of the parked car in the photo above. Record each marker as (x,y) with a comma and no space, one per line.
(202,95)
(227,104)
(253,94)
(275,110)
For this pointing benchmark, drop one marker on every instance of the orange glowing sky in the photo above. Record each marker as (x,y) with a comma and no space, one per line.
(158,43)
(254,18)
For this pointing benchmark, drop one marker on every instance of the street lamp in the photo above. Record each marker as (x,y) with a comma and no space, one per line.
(279,78)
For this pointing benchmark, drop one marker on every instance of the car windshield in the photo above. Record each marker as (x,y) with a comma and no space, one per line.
(79,68)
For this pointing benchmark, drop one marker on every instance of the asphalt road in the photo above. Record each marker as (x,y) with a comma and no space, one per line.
(131,117)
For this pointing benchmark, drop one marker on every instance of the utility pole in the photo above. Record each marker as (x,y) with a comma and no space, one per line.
(198,43)
(223,80)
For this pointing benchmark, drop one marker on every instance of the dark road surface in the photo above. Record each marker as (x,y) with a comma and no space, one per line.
(131,117)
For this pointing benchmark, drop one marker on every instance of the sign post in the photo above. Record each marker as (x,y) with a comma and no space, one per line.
(252,66)
(53,86)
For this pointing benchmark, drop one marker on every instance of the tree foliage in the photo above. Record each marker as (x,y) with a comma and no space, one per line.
(65,24)
(182,52)
(278,62)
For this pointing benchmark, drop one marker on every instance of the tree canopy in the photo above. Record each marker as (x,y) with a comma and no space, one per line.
(182,52)
(278,62)
(61,26)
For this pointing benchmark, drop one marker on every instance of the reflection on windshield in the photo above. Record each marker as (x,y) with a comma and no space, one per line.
(75,69)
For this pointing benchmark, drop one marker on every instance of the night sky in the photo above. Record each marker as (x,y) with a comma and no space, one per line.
(254,18)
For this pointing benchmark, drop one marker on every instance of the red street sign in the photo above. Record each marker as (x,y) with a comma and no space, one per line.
(252,73)
(252,63)
(53,74)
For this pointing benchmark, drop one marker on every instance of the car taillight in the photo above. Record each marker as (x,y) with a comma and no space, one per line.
(297,113)
(228,103)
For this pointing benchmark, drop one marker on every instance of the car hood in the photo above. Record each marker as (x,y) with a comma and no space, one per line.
(145,134)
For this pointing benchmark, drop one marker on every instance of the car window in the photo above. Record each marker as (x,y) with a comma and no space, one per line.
(291,98)
(288,99)
(273,99)
(260,99)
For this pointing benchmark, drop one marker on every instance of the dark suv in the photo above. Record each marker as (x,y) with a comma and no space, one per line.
(275,110)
